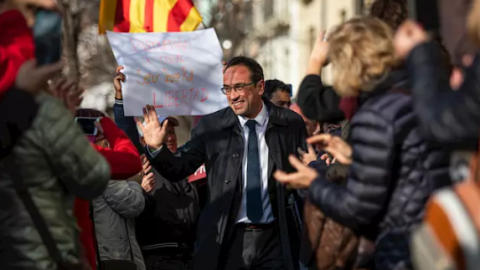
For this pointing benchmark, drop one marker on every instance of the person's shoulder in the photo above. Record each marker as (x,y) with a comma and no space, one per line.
(215,116)
(52,114)
(213,120)
(290,117)
(389,106)
(50,107)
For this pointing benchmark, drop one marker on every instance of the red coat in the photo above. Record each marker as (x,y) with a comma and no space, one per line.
(125,162)
(16,46)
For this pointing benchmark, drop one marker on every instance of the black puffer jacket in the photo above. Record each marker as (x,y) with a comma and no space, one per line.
(318,101)
(393,173)
(448,117)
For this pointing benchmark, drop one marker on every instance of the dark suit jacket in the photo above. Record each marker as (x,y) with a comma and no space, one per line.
(217,141)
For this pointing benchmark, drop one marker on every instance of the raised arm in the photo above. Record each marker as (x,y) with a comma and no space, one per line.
(446,116)
(125,123)
(122,155)
(317,101)
(186,162)
(174,168)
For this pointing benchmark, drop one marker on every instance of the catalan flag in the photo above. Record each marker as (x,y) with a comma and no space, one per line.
(140,16)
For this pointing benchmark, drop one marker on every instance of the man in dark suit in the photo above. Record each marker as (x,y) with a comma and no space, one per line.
(250,221)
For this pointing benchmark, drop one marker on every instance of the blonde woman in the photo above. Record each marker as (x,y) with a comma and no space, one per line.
(393,170)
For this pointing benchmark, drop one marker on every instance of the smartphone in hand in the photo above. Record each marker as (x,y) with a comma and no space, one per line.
(47,33)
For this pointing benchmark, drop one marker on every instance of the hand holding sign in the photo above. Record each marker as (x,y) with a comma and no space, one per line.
(179,73)
(117,82)
(153,133)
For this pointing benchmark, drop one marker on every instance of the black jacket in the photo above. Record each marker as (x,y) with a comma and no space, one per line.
(448,117)
(17,111)
(319,102)
(393,173)
(217,141)
(169,218)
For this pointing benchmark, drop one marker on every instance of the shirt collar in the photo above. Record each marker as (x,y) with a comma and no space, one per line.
(261,118)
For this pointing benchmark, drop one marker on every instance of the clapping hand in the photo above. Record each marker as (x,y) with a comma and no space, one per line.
(336,146)
(301,179)
(148,180)
(32,78)
(328,159)
(307,157)
(69,94)
(153,133)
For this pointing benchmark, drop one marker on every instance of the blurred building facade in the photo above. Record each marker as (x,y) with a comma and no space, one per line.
(280,34)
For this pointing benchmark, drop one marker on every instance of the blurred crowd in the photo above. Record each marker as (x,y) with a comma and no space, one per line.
(377,171)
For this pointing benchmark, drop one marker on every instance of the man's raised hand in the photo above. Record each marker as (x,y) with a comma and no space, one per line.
(153,133)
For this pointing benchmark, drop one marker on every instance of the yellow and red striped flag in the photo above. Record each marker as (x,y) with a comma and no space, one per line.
(140,16)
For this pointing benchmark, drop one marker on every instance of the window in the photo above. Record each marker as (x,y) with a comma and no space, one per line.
(268,8)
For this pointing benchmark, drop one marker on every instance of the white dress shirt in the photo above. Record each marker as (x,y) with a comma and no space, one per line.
(261,127)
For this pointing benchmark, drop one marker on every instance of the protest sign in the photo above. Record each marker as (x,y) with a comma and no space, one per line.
(179,73)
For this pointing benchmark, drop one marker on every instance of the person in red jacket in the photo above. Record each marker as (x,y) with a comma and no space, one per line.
(20,78)
(124,161)
(16,38)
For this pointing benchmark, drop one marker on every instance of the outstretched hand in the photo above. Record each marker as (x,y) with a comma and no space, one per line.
(336,146)
(307,157)
(69,94)
(32,78)
(301,179)
(153,133)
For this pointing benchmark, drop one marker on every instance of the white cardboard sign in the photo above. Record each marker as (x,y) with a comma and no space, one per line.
(179,73)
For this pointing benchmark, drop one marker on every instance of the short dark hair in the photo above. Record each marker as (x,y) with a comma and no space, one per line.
(272,86)
(392,12)
(254,67)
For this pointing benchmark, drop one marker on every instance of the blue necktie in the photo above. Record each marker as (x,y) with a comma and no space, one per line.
(254,193)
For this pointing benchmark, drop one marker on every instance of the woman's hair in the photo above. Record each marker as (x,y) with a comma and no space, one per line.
(89,113)
(361,53)
(473,23)
(392,12)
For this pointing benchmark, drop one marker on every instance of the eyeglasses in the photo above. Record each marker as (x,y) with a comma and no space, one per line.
(239,88)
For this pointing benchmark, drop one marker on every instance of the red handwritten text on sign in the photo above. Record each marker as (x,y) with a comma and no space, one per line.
(149,78)
(178,98)
(199,174)
(143,46)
